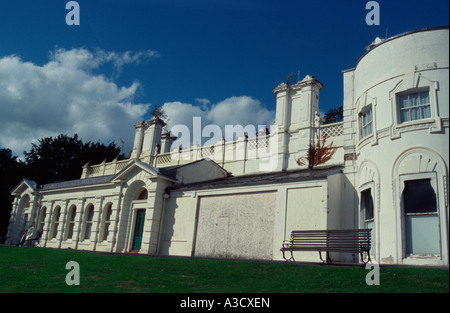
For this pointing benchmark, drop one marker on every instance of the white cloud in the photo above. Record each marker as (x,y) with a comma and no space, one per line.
(233,111)
(65,96)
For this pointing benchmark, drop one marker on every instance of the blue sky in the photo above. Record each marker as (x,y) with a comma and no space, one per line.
(193,57)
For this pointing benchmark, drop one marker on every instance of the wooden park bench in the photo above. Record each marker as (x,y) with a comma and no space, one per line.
(343,240)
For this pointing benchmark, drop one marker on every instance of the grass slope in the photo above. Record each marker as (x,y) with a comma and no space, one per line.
(44,270)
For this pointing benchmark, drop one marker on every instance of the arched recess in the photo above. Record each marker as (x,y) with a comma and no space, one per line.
(369,204)
(419,174)
(40,222)
(21,217)
(88,220)
(126,226)
(105,225)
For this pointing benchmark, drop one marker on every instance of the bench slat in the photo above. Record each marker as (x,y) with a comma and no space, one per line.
(339,240)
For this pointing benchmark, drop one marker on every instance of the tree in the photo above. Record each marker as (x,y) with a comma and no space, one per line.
(62,157)
(159,112)
(11,173)
(52,159)
(334,115)
(290,79)
(318,153)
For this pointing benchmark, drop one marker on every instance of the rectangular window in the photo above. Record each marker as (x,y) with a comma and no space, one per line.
(367,205)
(367,215)
(414,106)
(365,121)
(421,219)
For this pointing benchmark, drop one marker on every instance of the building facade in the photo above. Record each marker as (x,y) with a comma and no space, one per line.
(242,198)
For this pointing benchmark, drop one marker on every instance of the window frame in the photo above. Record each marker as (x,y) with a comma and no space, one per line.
(433,182)
(366,220)
(55,222)
(88,222)
(409,93)
(106,221)
(412,83)
(42,217)
(362,126)
(70,222)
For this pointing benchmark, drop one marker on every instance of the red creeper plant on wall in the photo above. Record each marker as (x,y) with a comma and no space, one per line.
(318,153)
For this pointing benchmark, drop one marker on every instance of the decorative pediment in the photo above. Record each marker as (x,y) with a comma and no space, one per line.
(23,186)
(198,171)
(136,166)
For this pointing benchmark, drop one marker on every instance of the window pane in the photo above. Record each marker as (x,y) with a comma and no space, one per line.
(403,101)
(369,115)
(105,236)
(415,114)
(108,215)
(88,231)
(404,116)
(424,97)
(426,111)
(419,197)
(72,216)
(367,204)
(414,99)
(91,214)
(70,234)
(369,128)
(422,234)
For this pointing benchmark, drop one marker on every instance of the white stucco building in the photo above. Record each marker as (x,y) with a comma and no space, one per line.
(241,199)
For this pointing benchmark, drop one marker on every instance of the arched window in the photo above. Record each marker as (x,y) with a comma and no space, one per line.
(56,216)
(106,221)
(143,195)
(88,222)
(71,221)
(41,221)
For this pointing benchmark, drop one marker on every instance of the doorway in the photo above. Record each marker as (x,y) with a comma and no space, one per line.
(138,229)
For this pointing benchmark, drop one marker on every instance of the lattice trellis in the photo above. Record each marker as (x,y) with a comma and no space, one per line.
(207,151)
(164,159)
(121,166)
(333,130)
(260,142)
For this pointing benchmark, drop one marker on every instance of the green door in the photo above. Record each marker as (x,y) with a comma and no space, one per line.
(138,229)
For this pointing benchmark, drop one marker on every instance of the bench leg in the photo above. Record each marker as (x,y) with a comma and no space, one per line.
(292,257)
(320,255)
(327,258)
(368,257)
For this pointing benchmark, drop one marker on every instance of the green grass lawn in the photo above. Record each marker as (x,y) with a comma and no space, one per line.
(44,270)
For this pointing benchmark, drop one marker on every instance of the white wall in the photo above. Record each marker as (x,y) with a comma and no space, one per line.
(412,61)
